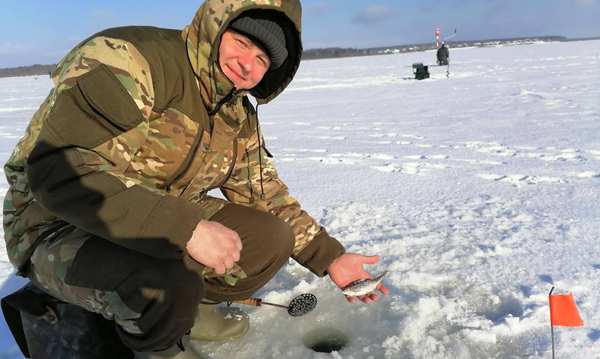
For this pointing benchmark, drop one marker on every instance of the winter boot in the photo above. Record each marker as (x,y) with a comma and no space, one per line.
(181,350)
(214,323)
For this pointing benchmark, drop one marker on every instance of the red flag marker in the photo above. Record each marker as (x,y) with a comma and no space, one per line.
(563,312)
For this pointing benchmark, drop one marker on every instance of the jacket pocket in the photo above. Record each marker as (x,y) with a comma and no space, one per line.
(96,109)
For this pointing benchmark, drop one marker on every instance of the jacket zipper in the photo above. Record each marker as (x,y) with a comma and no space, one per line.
(233,160)
(188,164)
(230,99)
(229,171)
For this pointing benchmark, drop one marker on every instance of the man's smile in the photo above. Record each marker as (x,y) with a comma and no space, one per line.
(238,75)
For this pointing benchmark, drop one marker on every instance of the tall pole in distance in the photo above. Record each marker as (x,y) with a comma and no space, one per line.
(437,38)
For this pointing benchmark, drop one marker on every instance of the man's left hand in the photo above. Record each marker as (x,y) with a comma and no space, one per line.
(348,268)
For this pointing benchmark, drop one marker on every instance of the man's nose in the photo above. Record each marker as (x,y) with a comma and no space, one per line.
(246,62)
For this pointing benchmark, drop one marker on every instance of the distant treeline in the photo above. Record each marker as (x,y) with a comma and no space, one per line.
(35,70)
(330,52)
(333,52)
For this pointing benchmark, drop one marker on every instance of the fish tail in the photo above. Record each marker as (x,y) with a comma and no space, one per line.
(382,275)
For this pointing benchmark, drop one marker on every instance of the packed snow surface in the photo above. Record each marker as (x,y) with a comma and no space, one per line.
(479,191)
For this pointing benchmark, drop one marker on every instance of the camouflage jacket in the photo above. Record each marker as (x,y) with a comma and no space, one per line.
(140,125)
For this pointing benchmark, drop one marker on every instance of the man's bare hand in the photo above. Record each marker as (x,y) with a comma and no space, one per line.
(348,268)
(215,246)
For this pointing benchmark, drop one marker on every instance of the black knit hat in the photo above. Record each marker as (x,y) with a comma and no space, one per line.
(266,34)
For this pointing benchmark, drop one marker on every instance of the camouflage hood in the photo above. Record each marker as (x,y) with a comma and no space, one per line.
(203,38)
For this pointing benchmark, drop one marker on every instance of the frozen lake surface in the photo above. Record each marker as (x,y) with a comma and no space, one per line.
(479,191)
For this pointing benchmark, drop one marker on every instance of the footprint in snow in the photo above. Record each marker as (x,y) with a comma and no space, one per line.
(333,161)
(595,153)
(518,179)
(337,138)
(526,290)
(594,335)
(408,168)
(588,174)
(551,154)
(495,163)
(426,157)
(546,278)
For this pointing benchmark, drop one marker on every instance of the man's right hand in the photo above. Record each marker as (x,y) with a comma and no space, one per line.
(215,246)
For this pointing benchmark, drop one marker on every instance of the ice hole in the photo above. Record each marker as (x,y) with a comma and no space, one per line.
(325,340)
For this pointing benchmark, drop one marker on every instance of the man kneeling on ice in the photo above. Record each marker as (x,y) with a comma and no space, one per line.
(108,208)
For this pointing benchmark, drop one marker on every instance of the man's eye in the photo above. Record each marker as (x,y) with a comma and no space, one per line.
(240,42)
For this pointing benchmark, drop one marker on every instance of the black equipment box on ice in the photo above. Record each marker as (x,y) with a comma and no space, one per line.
(421,71)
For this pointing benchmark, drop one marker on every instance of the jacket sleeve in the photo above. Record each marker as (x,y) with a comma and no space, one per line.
(314,248)
(98,121)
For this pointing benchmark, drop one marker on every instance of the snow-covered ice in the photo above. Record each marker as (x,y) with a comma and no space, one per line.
(480,192)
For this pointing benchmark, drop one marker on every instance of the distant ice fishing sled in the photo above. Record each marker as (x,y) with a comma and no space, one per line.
(420,71)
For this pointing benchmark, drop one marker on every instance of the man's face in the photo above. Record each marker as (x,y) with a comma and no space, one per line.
(242,61)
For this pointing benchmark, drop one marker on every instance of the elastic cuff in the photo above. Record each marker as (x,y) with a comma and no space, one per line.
(320,253)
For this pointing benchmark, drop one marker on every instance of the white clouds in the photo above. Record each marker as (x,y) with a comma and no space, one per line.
(103,14)
(39,51)
(375,14)
(104,19)
(499,8)
(317,45)
(26,54)
(8,48)
(319,7)
(585,3)
(74,39)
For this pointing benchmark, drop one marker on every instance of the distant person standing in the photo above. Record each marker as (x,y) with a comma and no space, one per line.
(443,55)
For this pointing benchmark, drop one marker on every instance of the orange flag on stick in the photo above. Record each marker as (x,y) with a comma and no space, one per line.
(563,311)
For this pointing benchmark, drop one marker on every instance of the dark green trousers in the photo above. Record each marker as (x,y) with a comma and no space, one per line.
(154,301)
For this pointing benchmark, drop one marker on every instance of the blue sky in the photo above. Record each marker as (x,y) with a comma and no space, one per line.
(42,32)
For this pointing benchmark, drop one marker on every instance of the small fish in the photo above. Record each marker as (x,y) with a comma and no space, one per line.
(363,286)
